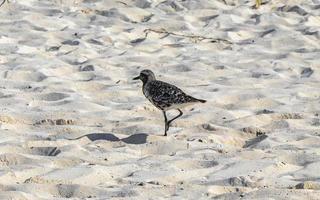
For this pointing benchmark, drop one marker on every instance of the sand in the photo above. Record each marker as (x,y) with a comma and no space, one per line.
(75,125)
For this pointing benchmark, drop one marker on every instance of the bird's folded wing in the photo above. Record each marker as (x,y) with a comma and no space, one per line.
(167,93)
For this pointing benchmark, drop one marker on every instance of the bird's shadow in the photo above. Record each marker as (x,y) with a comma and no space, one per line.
(139,138)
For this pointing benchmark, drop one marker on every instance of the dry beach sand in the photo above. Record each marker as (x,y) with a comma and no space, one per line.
(75,125)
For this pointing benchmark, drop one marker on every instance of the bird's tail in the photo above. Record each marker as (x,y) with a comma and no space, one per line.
(197,100)
(201,100)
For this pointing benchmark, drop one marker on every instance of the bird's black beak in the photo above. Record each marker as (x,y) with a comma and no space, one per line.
(136,78)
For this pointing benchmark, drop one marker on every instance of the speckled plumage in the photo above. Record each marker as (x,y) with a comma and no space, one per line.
(164,95)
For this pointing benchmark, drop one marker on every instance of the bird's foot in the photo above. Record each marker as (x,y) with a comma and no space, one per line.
(166,129)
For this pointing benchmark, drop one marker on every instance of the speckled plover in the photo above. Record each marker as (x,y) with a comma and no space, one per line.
(164,96)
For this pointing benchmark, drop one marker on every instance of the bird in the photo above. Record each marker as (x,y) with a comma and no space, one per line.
(165,96)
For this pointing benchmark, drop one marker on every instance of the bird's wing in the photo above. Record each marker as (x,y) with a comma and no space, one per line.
(167,93)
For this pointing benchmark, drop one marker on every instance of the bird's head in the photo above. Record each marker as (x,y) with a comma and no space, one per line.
(145,76)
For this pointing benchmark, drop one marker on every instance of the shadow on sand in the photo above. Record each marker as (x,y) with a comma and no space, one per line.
(255,141)
(139,138)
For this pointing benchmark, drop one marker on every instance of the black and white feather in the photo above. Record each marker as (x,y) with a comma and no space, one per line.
(166,96)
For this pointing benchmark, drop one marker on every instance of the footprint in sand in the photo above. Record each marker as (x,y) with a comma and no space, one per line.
(54,96)
(45,151)
(25,76)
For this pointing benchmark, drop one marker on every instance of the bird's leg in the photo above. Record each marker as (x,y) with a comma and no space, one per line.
(180,114)
(166,128)
(167,123)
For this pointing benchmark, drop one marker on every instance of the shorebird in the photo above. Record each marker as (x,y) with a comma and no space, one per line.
(165,96)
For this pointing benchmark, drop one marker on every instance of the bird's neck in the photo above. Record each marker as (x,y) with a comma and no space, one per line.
(146,81)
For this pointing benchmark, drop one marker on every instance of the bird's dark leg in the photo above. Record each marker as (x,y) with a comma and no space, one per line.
(167,123)
(4,2)
(180,114)
(166,128)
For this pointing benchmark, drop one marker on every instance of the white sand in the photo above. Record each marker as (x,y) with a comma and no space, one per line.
(75,125)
